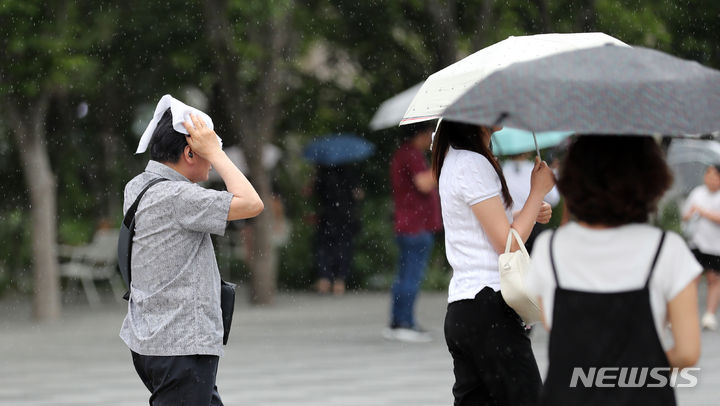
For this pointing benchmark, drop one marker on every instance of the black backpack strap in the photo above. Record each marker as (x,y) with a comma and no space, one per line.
(552,258)
(130,214)
(657,254)
(127,231)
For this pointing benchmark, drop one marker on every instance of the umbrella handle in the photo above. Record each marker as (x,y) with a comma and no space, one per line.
(437,127)
(537,149)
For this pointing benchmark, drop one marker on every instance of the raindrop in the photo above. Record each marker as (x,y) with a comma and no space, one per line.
(82,110)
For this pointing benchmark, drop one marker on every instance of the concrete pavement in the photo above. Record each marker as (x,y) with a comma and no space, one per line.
(305,350)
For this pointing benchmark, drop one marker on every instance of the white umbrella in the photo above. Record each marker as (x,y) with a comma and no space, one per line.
(391,111)
(445,86)
(688,159)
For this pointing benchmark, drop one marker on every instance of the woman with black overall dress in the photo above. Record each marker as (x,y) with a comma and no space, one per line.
(609,282)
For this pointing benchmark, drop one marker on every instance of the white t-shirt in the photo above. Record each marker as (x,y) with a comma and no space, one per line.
(517,176)
(612,260)
(706,233)
(468,178)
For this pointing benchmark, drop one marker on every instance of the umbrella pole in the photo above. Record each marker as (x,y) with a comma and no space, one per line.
(537,149)
(437,127)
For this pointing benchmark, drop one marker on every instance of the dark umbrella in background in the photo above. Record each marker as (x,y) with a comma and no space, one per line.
(338,149)
(605,90)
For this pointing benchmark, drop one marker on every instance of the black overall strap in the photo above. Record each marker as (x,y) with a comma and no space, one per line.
(552,258)
(130,214)
(657,254)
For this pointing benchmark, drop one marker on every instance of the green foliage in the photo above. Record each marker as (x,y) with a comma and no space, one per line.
(375,251)
(669,218)
(76,231)
(694,26)
(297,269)
(46,47)
(438,273)
(15,251)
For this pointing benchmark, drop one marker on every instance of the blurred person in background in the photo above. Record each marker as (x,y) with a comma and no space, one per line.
(609,282)
(493,361)
(517,170)
(702,208)
(338,192)
(417,217)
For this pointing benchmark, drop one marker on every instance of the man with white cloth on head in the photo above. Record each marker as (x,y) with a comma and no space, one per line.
(174,323)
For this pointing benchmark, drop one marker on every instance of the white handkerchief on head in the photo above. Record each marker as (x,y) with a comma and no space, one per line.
(180,112)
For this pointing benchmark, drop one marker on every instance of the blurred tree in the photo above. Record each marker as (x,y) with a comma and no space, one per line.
(695,28)
(43,57)
(251,44)
(282,71)
(139,66)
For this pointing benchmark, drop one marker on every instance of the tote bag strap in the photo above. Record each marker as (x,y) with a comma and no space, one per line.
(508,244)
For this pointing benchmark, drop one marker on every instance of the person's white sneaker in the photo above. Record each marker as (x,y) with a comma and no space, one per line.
(709,322)
(407,335)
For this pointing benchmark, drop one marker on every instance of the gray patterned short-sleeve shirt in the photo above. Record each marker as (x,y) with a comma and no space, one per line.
(174,306)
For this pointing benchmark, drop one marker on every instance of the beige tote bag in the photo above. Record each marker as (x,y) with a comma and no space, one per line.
(513,270)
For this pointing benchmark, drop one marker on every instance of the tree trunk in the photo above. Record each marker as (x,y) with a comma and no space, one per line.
(265,116)
(443,16)
(487,24)
(28,126)
(544,12)
(255,126)
(585,19)
(112,190)
(263,260)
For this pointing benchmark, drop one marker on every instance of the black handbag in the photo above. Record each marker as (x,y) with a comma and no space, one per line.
(127,232)
(227,304)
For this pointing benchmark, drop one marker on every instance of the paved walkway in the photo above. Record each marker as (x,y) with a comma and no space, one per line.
(305,350)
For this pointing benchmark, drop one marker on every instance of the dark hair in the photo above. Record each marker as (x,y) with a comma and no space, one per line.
(411,130)
(467,137)
(613,180)
(166,144)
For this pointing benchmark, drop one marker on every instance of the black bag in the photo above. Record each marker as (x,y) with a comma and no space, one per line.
(127,232)
(227,304)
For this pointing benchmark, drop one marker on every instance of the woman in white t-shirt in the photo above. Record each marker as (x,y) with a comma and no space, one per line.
(492,357)
(609,282)
(702,207)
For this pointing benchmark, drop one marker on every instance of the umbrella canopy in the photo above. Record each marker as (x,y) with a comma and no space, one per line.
(338,149)
(688,160)
(391,111)
(604,90)
(445,86)
(511,141)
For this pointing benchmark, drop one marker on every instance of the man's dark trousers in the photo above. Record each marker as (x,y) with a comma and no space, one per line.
(179,380)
